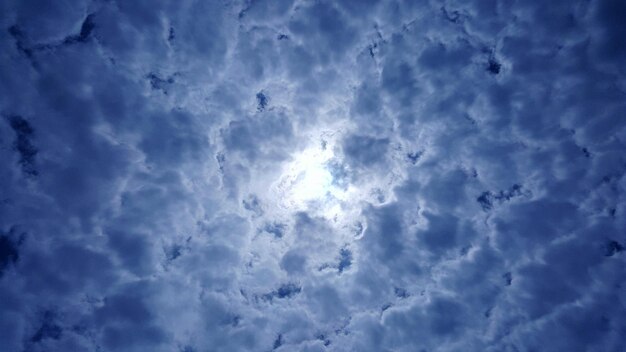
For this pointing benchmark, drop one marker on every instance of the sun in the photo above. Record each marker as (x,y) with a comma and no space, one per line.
(307,182)
(316,180)
(309,176)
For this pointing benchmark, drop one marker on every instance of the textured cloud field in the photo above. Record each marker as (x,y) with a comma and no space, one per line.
(312,176)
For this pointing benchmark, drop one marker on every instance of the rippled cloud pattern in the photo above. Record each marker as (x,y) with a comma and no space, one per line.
(312,175)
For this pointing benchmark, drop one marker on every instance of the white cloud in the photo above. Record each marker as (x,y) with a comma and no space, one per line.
(312,176)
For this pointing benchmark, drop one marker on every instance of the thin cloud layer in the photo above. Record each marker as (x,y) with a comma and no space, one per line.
(312,176)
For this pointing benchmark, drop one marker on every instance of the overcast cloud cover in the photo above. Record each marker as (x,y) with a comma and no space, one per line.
(298,175)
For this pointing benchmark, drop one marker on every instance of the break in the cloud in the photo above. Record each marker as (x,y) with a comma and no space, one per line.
(260,175)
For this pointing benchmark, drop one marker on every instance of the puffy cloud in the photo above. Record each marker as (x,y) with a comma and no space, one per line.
(312,176)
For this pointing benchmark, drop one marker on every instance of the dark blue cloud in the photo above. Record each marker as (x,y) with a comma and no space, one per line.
(9,252)
(324,28)
(365,150)
(255,175)
(23,144)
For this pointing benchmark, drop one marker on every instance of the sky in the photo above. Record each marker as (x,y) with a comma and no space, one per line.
(311,175)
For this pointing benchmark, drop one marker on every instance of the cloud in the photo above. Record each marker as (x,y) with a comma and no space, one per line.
(159,191)
(23,145)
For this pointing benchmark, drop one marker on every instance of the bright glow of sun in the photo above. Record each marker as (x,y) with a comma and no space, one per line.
(307,182)
(310,178)
(311,182)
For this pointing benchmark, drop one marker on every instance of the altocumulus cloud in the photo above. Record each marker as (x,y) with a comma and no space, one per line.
(296,175)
